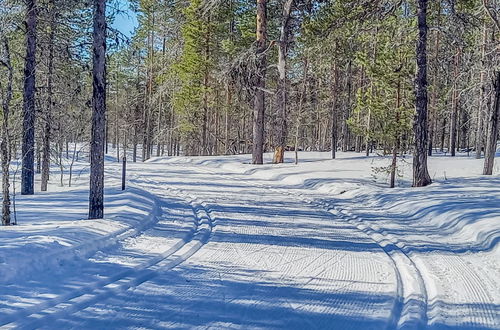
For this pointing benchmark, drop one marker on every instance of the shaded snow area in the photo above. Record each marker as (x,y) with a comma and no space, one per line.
(214,242)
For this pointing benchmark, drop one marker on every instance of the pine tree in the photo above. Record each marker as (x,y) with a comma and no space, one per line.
(28,147)
(191,100)
(5,148)
(387,99)
(96,198)
(420,173)
(260,84)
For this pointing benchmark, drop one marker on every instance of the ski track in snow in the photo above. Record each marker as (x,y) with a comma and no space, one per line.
(279,268)
(253,255)
(80,298)
(409,309)
(448,270)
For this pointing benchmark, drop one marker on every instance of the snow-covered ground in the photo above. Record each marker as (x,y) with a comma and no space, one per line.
(215,242)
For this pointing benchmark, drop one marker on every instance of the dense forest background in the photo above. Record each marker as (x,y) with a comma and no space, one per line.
(209,77)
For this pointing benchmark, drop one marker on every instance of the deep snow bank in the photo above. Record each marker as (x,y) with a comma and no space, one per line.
(52,228)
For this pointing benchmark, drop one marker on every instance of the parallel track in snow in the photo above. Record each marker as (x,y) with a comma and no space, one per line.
(452,274)
(417,305)
(78,299)
(416,308)
(414,305)
(410,309)
(410,312)
(282,259)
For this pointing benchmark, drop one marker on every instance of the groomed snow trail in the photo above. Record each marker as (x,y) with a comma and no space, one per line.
(168,237)
(443,240)
(226,247)
(271,261)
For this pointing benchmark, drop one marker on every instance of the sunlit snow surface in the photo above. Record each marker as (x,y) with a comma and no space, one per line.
(215,242)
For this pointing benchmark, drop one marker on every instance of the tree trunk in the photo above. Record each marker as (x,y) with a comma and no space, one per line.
(28,147)
(482,93)
(491,141)
(226,119)
(443,135)
(454,107)
(48,114)
(396,146)
(148,94)
(171,135)
(334,110)
(434,96)
(260,84)
(60,151)
(96,198)
(117,117)
(145,121)
(300,109)
(206,80)
(106,137)
(159,140)
(372,91)
(5,143)
(420,173)
(146,145)
(345,128)
(463,130)
(282,90)
(38,158)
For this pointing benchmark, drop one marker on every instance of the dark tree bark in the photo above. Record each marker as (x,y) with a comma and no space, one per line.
(145,128)
(443,135)
(434,96)
(482,78)
(302,100)
(96,198)
(334,110)
(346,133)
(282,90)
(206,81)
(38,158)
(5,143)
(48,111)
(420,173)
(396,146)
(28,147)
(148,97)
(260,84)
(137,114)
(229,103)
(454,107)
(464,130)
(491,141)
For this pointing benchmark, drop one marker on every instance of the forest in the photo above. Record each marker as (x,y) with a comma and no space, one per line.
(233,164)
(213,77)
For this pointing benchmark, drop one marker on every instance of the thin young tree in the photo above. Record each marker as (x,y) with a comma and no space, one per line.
(96,196)
(28,145)
(421,176)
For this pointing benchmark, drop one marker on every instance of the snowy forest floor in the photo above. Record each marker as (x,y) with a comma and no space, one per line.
(214,242)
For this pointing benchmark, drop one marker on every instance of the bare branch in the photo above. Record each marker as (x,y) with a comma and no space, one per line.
(491,13)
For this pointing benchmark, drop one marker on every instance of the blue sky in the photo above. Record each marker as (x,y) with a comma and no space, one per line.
(125,22)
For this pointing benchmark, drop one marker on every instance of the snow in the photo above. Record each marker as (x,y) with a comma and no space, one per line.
(215,242)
